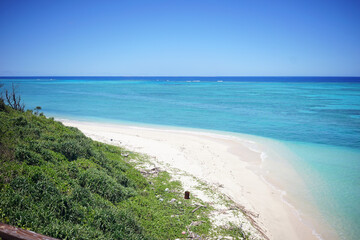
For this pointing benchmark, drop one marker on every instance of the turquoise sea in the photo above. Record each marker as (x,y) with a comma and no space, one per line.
(317,120)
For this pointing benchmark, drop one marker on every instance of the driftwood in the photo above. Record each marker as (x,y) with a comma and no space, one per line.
(250,216)
(245,211)
(193,235)
(196,223)
(236,228)
(151,172)
(198,207)
(8,232)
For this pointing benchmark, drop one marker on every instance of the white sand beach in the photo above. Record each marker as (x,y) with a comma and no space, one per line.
(225,161)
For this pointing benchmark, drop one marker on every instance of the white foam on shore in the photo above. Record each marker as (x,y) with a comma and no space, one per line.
(282,193)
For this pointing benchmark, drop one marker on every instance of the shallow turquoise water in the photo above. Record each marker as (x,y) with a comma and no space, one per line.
(318,121)
(332,176)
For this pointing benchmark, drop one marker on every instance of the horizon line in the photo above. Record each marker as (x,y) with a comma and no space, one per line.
(42,76)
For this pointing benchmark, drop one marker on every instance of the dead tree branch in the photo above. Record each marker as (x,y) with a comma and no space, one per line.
(14,100)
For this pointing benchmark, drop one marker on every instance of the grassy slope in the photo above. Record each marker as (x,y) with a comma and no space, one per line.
(56,181)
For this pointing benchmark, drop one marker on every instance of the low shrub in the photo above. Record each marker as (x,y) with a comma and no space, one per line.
(20,121)
(23,154)
(73,149)
(104,185)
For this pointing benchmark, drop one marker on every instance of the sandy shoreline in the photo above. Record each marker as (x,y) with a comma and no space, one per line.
(226,161)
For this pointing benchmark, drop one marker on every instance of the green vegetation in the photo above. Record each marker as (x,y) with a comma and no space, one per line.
(57,182)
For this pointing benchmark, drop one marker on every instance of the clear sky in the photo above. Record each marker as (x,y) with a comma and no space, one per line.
(180,38)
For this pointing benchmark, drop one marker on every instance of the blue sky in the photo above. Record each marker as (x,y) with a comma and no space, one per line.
(180,38)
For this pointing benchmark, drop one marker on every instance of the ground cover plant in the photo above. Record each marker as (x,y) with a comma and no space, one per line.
(57,182)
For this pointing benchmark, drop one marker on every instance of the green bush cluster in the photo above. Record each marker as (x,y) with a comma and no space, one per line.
(56,181)
(23,154)
(98,181)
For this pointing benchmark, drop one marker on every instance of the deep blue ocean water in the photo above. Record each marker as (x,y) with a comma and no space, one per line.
(317,118)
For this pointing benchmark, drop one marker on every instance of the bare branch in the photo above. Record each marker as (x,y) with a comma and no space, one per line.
(13,100)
